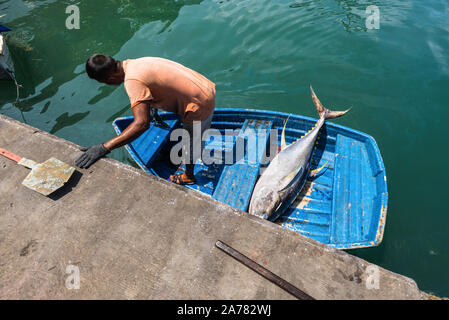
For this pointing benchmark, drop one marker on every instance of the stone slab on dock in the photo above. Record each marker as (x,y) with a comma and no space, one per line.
(135,236)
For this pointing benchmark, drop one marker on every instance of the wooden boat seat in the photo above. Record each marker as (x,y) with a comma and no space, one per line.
(237,181)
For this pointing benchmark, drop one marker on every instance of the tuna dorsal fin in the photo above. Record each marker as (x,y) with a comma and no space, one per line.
(283,143)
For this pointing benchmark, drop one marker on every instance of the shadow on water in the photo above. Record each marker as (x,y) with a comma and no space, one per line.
(45,108)
(65,120)
(105,91)
(118,114)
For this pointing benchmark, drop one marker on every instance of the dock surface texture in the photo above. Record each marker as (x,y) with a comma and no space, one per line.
(131,235)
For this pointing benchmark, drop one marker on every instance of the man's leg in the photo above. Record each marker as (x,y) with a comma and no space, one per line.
(188,177)
(192,154)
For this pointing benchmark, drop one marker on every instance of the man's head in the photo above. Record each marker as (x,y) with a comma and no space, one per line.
(105,69)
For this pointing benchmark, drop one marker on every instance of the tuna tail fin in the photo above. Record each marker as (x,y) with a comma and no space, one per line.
(322,111)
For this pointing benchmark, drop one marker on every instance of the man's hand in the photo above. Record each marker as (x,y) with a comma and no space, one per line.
(91,155)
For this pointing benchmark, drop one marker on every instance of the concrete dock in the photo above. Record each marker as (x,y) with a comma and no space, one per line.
(131,235)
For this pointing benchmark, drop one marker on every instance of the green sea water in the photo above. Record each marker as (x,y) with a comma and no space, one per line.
(263,55)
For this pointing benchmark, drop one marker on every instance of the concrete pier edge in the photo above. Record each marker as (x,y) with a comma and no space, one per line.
(135,236)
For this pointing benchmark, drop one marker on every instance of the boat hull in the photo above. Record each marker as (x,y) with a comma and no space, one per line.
(344,206)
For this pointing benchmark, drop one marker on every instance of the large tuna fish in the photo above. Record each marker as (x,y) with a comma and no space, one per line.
(289,169)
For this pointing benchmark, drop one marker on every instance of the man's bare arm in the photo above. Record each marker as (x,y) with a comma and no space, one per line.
(140,124)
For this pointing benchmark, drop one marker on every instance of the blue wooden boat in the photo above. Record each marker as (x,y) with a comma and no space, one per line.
(343,206)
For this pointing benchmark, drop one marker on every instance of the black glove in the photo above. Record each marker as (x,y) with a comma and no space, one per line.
(91,155)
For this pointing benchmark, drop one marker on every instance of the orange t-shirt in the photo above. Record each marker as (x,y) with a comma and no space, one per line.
(169,86)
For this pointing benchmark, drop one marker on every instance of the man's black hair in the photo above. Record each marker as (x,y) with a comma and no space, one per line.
(100,67)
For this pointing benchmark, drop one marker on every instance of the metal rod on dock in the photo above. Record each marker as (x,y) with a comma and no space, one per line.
(301,295)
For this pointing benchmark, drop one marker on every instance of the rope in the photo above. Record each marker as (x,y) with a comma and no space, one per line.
(18,86)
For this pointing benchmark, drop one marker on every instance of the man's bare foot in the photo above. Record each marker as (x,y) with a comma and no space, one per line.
(182,179)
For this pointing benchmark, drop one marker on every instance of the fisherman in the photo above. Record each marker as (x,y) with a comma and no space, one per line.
(159,83)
